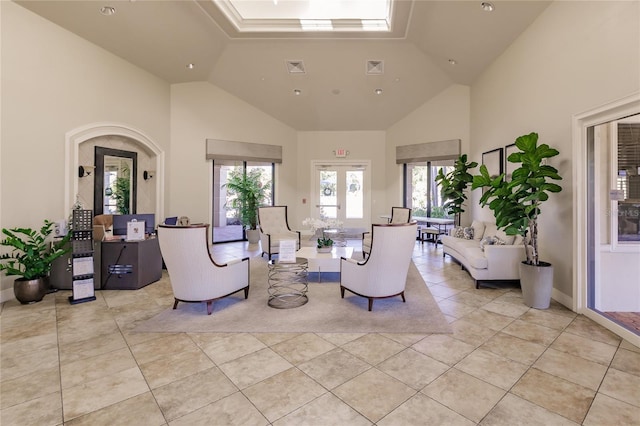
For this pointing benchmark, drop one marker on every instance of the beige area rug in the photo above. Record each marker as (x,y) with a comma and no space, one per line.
(325,312)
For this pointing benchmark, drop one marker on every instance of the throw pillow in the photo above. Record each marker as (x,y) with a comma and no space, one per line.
(486,241)
(458,232)
(478,229)
(468,233)
(498,241)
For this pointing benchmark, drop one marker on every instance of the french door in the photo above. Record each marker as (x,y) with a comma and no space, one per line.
(342,191)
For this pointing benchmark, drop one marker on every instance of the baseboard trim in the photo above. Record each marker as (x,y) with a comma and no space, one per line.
(563,299)
(6,295)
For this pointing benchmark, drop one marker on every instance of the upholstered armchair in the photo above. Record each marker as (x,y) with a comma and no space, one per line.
(274,227)
(195,276)
(384,272)
(398,215)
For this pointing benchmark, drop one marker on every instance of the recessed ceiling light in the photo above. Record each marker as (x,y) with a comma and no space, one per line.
(108,10)
(378,91)
(452,62)
(190,66)
(487,7)
(297,92)
(336,91)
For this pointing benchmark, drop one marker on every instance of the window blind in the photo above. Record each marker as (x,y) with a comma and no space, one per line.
(429,151)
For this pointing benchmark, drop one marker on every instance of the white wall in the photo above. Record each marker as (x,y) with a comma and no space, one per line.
(575,56)
(362,145)
(53,82)
(201,111)
(444,117)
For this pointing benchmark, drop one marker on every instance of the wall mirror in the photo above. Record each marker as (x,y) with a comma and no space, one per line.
(115,183)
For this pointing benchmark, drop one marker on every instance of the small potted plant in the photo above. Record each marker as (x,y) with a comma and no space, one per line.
(31,259)
(250,193)
(516,205)
(324,245)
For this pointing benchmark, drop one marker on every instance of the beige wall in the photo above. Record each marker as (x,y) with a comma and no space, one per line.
(201,111)
(444,117)
(362,145)
(575,56)
(54,82)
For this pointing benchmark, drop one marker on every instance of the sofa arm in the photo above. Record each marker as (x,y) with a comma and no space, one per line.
(506,259)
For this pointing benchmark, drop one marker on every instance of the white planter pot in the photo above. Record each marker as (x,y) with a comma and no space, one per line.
(536,283)
(253,235)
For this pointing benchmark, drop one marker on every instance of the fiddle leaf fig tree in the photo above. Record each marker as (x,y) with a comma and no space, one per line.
(516,203)
(454,184)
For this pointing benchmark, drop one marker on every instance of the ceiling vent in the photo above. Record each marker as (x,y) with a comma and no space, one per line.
(295,67)
(375,67)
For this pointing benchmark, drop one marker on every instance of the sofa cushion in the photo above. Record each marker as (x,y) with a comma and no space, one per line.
(478,229)
(475,257)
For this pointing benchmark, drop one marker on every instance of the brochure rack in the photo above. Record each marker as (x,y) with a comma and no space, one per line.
(82,257)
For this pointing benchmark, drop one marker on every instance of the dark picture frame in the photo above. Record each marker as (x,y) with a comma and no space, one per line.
(494,161)
(509,167)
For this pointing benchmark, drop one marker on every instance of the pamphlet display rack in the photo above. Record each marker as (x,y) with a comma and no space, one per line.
(82,257)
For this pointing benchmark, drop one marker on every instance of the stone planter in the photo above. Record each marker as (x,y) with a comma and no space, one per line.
(253,236)
(537,284)
(325,249)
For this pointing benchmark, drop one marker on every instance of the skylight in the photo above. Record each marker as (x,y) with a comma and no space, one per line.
(308,15)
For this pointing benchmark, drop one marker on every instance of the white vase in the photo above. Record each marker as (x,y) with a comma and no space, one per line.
(537,284)
(324,249)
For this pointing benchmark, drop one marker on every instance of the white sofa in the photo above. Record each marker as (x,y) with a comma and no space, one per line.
(494,262)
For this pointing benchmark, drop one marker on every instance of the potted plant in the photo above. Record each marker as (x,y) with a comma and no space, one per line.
(249,194)
(453,186)
(324,245)
(31,259)
(516,207)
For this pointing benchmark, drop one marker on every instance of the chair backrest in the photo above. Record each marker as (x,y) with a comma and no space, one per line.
(273,219)
(185,251)
(388,262)
(400,215)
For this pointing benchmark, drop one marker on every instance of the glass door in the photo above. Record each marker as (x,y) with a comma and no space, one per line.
(341,192)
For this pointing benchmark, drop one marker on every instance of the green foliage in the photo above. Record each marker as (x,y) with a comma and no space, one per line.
(122,192)
(249,193)
(436,211)
(325,242)
(454,184)
(31,257)
(516,203)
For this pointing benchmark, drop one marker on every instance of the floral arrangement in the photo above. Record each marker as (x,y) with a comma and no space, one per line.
(325,242)
(316,224)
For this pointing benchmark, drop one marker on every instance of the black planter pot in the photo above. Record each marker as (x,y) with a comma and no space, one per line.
(30,291)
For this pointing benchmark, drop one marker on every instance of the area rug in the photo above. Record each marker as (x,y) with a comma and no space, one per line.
(325,312)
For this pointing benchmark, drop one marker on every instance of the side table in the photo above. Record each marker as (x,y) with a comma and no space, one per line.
(288,283)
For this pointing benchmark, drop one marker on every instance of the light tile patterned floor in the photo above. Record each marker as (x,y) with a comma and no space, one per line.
(504,364)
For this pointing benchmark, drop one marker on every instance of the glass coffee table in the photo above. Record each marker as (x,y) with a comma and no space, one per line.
(288,283)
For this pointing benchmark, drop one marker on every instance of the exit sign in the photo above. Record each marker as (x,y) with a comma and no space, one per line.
(341,152)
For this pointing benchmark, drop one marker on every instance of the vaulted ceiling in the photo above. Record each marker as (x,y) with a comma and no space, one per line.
(336,91)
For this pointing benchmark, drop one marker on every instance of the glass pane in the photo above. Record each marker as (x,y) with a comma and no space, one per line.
(419,183)
(265,178)
(355,197)
(328,194)
(436,199)
(628,182)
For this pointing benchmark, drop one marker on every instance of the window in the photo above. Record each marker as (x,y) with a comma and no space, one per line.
(422,193)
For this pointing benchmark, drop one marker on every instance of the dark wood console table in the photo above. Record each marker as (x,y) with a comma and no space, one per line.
(130,265)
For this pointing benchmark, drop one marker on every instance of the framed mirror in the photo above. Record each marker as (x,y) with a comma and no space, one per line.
(115,183)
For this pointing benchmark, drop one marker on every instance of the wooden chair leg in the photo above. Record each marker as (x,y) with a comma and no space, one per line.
(175,303)
(370,303)
(246,292)
(209,307)
(403,299)
(342,291)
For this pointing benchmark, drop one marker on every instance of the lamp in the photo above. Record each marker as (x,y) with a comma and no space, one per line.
(85,171)
(148,174)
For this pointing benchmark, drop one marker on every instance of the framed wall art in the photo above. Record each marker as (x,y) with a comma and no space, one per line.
(509,167)
(494,162)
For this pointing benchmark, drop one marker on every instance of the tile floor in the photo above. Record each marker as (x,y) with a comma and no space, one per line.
(504,364)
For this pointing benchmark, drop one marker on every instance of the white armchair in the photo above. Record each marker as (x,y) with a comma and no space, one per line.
(398,215)
(195,276)
(274,227)
(384,272)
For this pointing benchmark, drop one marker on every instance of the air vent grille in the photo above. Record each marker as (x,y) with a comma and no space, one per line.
(375,67)
(295,67)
